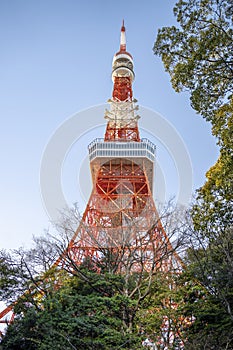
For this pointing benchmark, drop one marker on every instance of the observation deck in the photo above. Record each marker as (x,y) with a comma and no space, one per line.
(102,149)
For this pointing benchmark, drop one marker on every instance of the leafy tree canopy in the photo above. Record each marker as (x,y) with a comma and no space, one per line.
(199,53)
(78,315)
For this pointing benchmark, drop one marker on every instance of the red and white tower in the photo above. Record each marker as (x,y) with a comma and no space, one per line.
(121,213)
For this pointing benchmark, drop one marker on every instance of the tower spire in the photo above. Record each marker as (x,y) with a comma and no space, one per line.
(122,118)
(123,38)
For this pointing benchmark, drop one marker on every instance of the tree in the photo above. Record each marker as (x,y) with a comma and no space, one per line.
(23,271)
(123,276)
(12,277)
(141,265)
(163,316)
(199,58)
(198,55)
(79,315)
(210,262)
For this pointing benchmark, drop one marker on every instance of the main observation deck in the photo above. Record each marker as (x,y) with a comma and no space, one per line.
(143,149)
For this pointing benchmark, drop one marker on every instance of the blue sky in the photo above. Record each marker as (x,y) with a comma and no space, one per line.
(55,60)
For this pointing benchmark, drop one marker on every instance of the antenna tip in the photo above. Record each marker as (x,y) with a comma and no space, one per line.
(123,26)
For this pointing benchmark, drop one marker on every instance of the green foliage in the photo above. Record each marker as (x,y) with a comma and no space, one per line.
(79,315)
(198,53)
(213,211)
(212,328)
(88,306)
(97,311)
(11,277)
(166,313)
(212,301)
(199,57)
(211,262)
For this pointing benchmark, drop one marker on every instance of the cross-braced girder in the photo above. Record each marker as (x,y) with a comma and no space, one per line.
(121,214)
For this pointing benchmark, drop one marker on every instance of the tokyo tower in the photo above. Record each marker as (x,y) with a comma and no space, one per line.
(120,215)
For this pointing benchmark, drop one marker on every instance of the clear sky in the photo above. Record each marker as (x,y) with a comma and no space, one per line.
(55,60)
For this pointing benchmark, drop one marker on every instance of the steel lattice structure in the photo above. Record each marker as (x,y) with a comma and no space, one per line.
(121,211)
